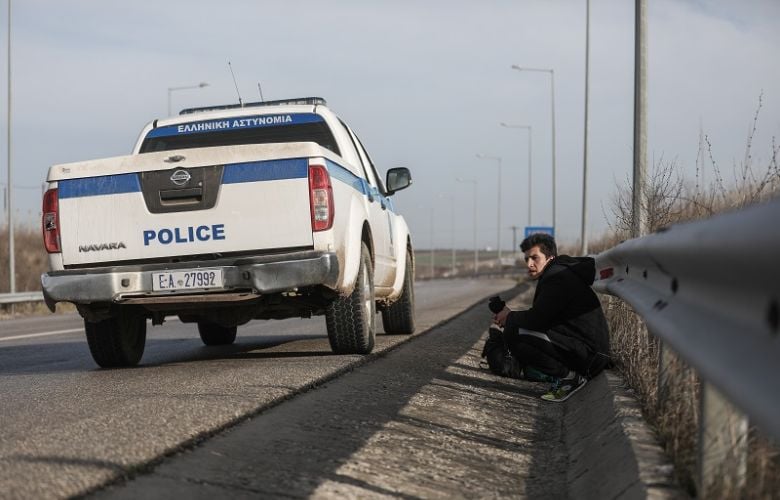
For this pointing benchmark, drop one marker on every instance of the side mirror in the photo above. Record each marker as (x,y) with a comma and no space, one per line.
(397,179)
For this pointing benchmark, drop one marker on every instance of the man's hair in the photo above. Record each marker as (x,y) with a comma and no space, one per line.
(545,242)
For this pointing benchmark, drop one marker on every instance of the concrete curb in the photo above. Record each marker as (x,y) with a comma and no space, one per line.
(613,453)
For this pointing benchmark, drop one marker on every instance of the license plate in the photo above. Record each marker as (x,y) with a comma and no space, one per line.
(189,279)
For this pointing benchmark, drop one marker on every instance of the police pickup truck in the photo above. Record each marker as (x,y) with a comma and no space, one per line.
(226,214)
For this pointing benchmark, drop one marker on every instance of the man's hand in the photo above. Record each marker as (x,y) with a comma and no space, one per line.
(500,318)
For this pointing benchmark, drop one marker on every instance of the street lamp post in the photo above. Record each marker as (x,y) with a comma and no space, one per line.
(185,87)
(452,232)
(476,249)
(530,164)
(433,252)
(498,235)
(552,111)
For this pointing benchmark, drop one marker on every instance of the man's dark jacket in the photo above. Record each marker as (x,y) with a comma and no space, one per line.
(568,311)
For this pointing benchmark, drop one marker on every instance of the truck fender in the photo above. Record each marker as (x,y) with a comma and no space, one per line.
(358,220)
(401,252)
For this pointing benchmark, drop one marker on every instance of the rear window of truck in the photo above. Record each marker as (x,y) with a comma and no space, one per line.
(262,129)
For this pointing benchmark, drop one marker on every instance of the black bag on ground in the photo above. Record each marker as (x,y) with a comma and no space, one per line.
(499,360)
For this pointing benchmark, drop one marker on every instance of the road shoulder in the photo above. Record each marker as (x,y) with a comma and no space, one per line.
(426,421)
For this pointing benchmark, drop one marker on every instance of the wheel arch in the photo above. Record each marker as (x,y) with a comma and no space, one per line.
(367,238)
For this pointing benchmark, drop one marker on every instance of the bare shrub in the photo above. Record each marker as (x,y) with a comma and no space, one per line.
(660,202)
(751,183)
(669,199)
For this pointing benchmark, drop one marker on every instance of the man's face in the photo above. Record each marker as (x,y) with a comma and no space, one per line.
(536,262)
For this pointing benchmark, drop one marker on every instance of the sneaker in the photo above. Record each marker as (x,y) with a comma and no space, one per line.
(562,389)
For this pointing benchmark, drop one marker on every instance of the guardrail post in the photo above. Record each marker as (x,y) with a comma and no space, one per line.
(723,447)
(665,356)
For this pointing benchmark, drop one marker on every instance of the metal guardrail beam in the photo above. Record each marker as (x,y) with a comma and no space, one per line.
(17,298)
(711,291)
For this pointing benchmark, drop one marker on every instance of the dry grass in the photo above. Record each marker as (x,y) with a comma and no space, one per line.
(30,259)
(669,199)
(763,468)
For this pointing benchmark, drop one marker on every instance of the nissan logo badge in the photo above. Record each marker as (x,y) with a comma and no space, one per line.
(181,177)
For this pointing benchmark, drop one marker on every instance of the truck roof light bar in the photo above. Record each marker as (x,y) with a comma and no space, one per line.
(314,101)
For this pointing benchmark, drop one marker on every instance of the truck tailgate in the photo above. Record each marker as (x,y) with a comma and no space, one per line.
(184,210)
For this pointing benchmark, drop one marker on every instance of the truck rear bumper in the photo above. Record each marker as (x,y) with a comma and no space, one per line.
(254,275)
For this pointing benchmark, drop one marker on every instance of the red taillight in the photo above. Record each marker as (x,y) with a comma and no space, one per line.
(321,196)
(51,221)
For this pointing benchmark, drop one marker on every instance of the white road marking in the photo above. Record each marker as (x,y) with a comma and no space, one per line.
(44,334)
(58,332)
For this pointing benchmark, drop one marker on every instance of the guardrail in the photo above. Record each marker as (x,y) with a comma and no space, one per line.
(18,298)
(710,290)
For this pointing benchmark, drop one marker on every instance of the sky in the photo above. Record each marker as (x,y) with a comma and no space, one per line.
(424,84)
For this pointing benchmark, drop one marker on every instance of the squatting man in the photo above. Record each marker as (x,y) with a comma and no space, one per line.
(564,334)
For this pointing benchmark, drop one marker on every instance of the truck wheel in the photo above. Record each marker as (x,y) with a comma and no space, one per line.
(118,341)
(398,318)
(351,319)
(213,334)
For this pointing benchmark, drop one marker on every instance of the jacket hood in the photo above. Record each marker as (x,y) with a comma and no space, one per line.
(583,267)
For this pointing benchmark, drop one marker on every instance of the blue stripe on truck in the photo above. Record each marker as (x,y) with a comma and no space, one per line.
(272,170)
(342,174)
(234,173)
(93,186)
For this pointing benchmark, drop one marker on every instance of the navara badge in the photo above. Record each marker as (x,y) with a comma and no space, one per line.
(181,177)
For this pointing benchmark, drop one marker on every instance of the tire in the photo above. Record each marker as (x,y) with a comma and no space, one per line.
(398,317)
(118,341)
(351,320)
(213,334)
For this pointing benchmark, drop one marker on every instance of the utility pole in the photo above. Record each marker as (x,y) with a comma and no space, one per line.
(640,120)
(514,240)
(552,111)
(584,224)
(11,263)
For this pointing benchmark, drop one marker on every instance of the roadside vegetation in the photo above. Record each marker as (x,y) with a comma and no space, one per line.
(30,263)
(671,198)
(30,259)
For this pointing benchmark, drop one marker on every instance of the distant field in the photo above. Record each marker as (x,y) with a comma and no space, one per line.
(464,262)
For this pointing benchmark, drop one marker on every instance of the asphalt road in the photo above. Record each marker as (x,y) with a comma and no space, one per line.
(67,428)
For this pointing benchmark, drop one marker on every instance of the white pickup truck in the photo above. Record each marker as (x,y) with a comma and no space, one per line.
(226,214)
